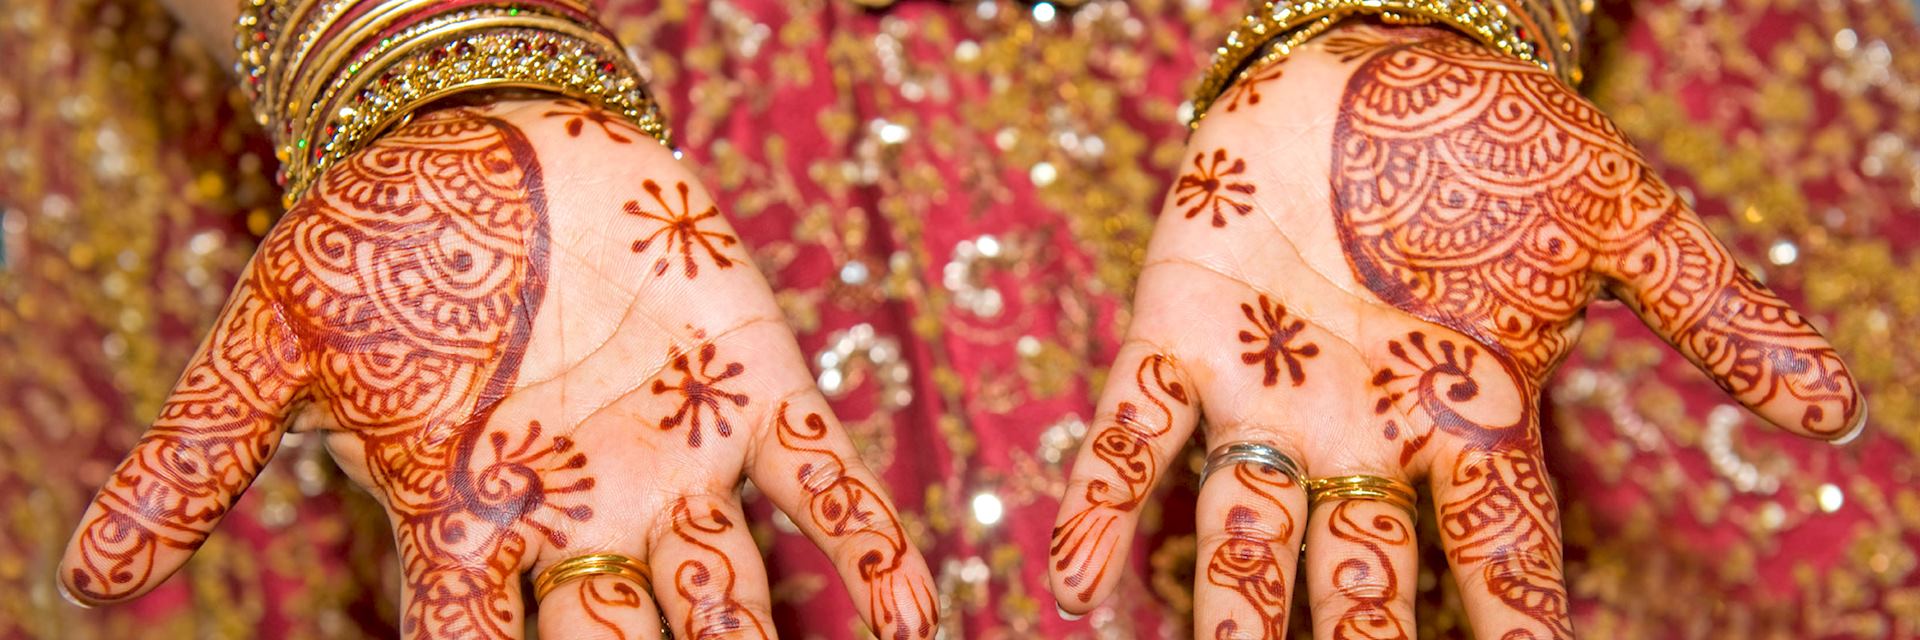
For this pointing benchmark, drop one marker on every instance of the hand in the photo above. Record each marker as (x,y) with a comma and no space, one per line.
(1380,248)
(529,333)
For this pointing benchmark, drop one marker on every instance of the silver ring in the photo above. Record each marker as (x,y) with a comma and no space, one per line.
(1250,452)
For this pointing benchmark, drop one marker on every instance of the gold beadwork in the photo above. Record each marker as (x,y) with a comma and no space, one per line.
(1513,27)
(326,76)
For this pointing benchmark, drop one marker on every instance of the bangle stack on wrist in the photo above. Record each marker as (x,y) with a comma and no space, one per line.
(1543,32)
(326,76)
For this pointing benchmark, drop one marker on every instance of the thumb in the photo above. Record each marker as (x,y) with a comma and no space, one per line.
(1685,286)
(216,430)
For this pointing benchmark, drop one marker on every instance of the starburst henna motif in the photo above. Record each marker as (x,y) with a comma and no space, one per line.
(1248,88)
(1275,331)
(682,229)
(1208,187)
(700,394)
(578,114)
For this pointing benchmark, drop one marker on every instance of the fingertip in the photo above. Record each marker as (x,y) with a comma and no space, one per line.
(66,593)
(1853,433)
(1067,615)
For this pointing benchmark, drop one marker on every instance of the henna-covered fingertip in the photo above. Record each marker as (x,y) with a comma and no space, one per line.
(1853,433)
(67,594)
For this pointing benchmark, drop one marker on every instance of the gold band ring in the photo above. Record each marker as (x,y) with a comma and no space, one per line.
(1361,487)
(602,564)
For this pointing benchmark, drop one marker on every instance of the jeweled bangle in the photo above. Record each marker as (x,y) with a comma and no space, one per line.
(327,76)
(1543,32)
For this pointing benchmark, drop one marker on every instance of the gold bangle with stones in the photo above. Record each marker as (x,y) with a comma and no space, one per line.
(1544,32)
(327,76)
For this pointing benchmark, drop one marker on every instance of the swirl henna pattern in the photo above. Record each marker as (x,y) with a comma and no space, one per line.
(1367,617)
(1126,447)
(706,581)
(399,299)
(1249,561)
(842,506)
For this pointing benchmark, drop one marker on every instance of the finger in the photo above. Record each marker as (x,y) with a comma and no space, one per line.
(710,580)
(1115,471)
(599,608)
(1361,561)
(453,599)
(1500,527)
(217,429)
(810,471)
(1686,286)
(1249,549)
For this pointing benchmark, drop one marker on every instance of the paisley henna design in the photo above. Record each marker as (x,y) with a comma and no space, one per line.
(1368,618)
(399,298)
(707,581)
(578,114)
(680,228)
(1209,187)
(1081,543)
(700,394)
(1272,327)
(841,506)
(1249,562)
(1247,89)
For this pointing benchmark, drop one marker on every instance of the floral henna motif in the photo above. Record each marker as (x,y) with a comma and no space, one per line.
(707,580)
(701,394)
(1274,332)
(578,114)
(841,506)
(680,228)
(1212,187)
(399,297)
(1367,617)
(1250,561)
(1248,88)
(1081,543)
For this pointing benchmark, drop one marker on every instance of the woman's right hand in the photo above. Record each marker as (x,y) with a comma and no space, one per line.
(1381,247)
(530,334)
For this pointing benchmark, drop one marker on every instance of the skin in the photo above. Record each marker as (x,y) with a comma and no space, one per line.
(530,334)
(1373,267)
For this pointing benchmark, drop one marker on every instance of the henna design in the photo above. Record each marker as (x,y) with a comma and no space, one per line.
(700,393)
(1209,187)
(1249,562)
(1368,617)
(680,228)
(1273,327)
(842,506)
(1248,88)
(1126,448)
(623,596)
(706,582)
(578,114)
(400,298)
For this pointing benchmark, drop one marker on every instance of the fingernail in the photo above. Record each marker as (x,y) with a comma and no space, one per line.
(68,595)
(1859,427)
(1069,617)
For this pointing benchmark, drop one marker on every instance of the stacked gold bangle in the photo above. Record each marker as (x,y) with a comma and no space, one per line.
(1543,32)
(326,76)
(1387,490)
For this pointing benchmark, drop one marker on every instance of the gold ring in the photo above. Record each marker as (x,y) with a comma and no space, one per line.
(1361,487)
(602,564)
